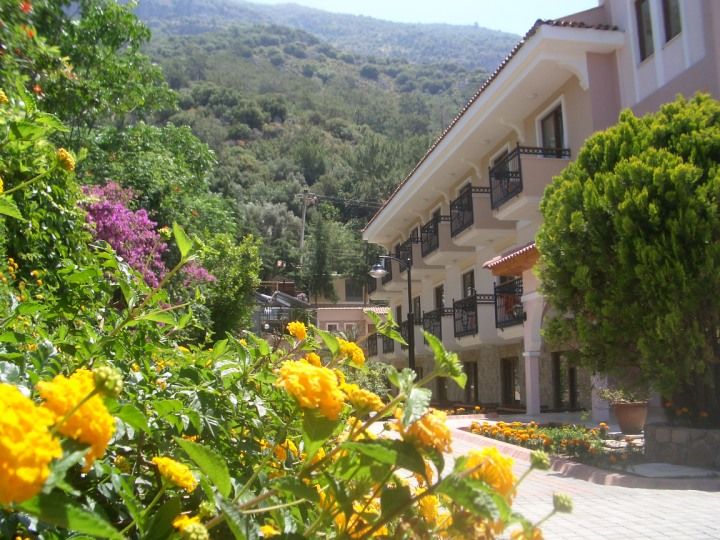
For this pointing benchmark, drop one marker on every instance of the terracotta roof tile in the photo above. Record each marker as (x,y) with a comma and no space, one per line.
(539,23)
(516,252)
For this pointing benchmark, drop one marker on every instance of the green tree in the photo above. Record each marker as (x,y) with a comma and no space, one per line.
(318,272)
(630,250)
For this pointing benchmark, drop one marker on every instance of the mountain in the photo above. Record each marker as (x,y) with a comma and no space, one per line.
(470,46)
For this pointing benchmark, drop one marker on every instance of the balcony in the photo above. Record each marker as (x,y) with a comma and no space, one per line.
(465,317)
(472,222)
(432,322)
(508,304)
(518,181)
(437,245)
(388,345)
(371,345)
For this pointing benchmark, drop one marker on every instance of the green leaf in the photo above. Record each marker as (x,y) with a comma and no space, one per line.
(160,525)
(83,276)
(235,520)
(393,499)
(330,341)
(183,242)
(9,208)
(165,407)
(416,405)
(316,429)
(477,497)
(133,505)
(296,487)
(219,348)
(133,416)
(403,380)
(448,364)
(392,452)
(210,463)
(164,317)
(59,510)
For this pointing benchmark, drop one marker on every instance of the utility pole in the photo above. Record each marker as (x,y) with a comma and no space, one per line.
(306,197)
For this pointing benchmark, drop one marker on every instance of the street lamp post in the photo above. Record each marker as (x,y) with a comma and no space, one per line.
(378,271)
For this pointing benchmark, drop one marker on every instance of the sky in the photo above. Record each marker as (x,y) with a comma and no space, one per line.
(514,16)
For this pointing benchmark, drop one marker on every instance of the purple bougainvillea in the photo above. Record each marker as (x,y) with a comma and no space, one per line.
(132,234)
(194,273)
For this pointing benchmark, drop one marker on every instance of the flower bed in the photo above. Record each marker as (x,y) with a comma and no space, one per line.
(586,445)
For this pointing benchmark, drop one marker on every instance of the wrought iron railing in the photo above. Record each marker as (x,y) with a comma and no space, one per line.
(371,344)
(506,176)
(430,237)
(508,304)
(432,322)
(465,316)
(404,253)
(461,212)
(388,345)
(388,267)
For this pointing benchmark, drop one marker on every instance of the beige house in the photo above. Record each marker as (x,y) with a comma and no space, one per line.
(467,214)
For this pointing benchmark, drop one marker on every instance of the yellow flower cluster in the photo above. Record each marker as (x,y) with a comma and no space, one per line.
(90,423)
(297,329)
(175,472)
(490,466)
(428,507)
(361,399)
(2,186)
(191,528)
(313,387)
(268,531)
(429,431)
(66,160)
(26,446)
(313,358)
(183,520)
(352,351)
(3,98)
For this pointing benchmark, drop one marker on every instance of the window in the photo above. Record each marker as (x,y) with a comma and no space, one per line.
(353,291)
(417,314)
(468,283)
(644,27)
(332,327)
(398,314)
(351,330)
(671,17)
(551,131)
(440,297)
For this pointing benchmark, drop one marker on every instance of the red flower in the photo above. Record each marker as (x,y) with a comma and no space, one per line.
(37,89)
(26,7)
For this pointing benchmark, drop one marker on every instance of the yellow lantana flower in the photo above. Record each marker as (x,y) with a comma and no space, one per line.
(2,186)
(268,531)
(176,472)
(494,469)
(313,387)
(297,329)
(313,358)
(26,446)
(183,520)
(91,423)
(361,399)
(3,98)
(430,431)
(66,160)
(352,351)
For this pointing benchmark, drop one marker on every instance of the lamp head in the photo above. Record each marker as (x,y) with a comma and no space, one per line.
(378,270)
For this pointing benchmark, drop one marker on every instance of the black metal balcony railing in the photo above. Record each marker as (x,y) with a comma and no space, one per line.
(508,304)
(388,267)
(430,237)
(388,345)
(432,322)
(404,252)
(461,212)
(372,345)
(465,316)
(372,285)
(506,176)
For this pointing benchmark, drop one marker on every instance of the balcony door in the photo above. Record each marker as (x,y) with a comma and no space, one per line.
(509,382)
(551,129)
(564,383)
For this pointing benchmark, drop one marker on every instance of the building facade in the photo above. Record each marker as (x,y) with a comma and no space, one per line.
(467,214)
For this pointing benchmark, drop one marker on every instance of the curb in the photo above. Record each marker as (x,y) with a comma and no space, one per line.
(580,471)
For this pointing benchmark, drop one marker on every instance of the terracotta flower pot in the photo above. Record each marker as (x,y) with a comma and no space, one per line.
(631,416)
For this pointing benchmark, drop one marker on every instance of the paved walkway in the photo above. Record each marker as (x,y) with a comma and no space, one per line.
(606,511)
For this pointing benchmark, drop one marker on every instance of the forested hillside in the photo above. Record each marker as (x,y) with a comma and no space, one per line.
(286,112)
(470,46)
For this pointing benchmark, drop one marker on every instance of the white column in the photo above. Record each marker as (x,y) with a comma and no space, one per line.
(532,382)
(533,304)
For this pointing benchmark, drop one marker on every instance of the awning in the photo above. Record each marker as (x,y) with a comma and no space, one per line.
(514,262)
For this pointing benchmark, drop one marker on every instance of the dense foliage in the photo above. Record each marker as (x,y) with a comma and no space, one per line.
(470,46)
(630,248)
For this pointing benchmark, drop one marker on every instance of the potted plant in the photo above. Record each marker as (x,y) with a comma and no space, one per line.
(630,406)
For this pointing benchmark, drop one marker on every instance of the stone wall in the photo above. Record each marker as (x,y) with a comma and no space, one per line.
(683,445)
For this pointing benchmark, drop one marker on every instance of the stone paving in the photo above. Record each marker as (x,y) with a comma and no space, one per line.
(602,511)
